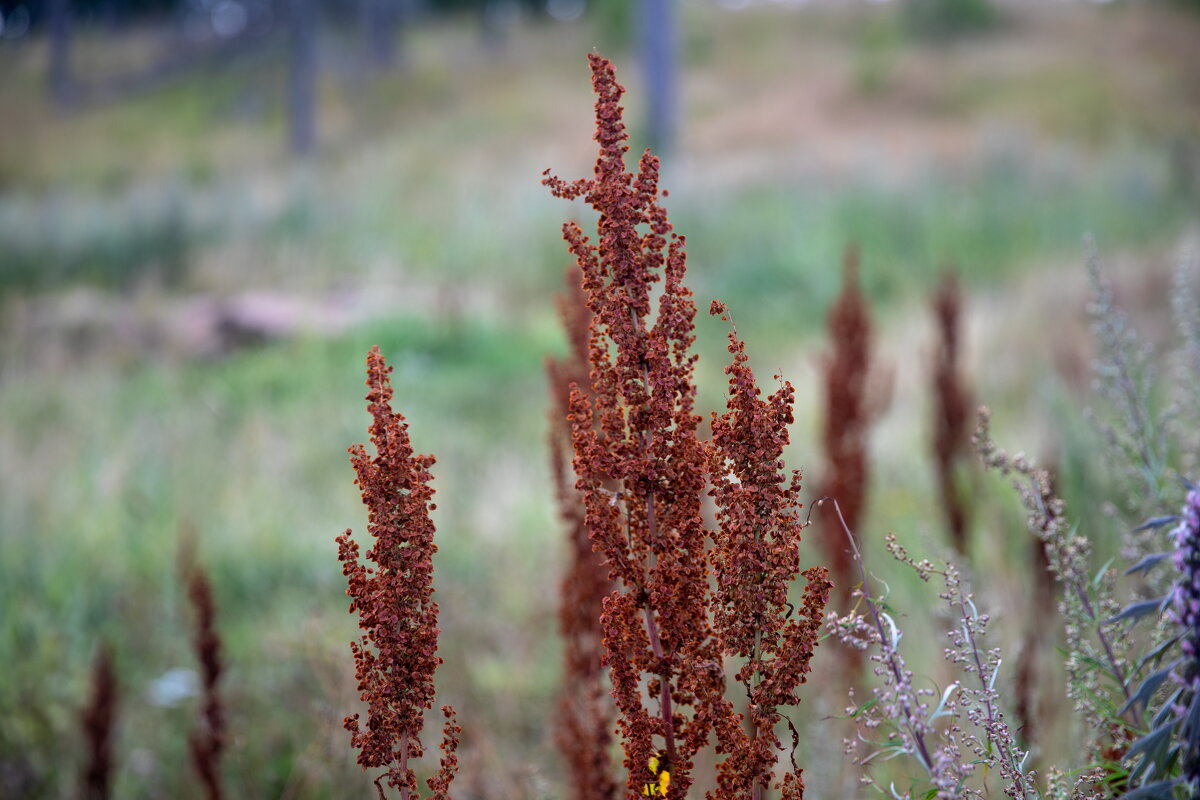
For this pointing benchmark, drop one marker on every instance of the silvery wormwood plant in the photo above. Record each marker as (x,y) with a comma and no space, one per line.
(958,736)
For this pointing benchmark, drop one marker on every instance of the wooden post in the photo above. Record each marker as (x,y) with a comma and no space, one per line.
(302,76)
(658,41)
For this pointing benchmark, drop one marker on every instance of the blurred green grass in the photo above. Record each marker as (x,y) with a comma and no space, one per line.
(109,465)
(776,251)
(247,457)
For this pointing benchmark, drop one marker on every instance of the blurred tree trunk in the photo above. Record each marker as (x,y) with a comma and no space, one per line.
(659,67)
(383,23)
(1185,166)
(496,20)
(61,89)
(302,76)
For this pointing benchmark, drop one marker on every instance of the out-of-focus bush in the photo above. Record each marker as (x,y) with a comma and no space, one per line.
(940,19)
(875,54)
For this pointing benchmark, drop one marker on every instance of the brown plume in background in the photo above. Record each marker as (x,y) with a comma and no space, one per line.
(207,742)
(952,409)
(850,409)
(584,726)
(98,721)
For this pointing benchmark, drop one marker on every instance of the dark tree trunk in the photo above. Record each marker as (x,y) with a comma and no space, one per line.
(659,66)
(61,88)
(382,25)
(302,76)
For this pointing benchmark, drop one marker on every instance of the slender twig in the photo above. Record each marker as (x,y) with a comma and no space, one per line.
(914,728)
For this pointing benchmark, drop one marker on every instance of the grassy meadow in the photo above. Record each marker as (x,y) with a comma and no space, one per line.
(136,434)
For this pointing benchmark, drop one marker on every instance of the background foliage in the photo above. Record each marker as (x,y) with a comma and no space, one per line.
(185,309)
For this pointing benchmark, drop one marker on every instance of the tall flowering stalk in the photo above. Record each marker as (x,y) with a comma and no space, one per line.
(208,741)
(396,657)
(639,431)
(952,408)
(98,721)
(1097,658)
(848,416)
(1185,612)
(1137,430)
(642,471)
(1032,706)
(965,729)
(584,726)
(755,560)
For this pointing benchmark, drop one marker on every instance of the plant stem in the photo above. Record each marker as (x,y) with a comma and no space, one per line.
(656,645)
(404,795)
(665,705)
(1086,604)
(1018,776)
(914,729)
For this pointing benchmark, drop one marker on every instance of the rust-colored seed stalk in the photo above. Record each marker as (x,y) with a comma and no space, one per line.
(98,721)
(638,430)
(396,657)
(848,416)
(1031,707)
(756,558)
(207,742)
(1026,706)
(643,471)
(952,408)
(583,730)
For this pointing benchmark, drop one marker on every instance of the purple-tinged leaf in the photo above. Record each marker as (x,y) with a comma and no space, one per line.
(1148,688)
(1147,563)
(1191,723)
(1168,708)
(1153,747)
(1160,790)
(1156,522)
(1135,611)
(1157,652)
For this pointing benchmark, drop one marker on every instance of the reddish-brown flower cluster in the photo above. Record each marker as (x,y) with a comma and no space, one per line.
(638,430)
(396,657)
(98,722)
(1033,705)
(586,716)
(643,471)
(756,558)
(849,411)
(207,743)
(952,408)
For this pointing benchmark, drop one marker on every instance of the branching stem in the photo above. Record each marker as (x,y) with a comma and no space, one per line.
(913,727)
